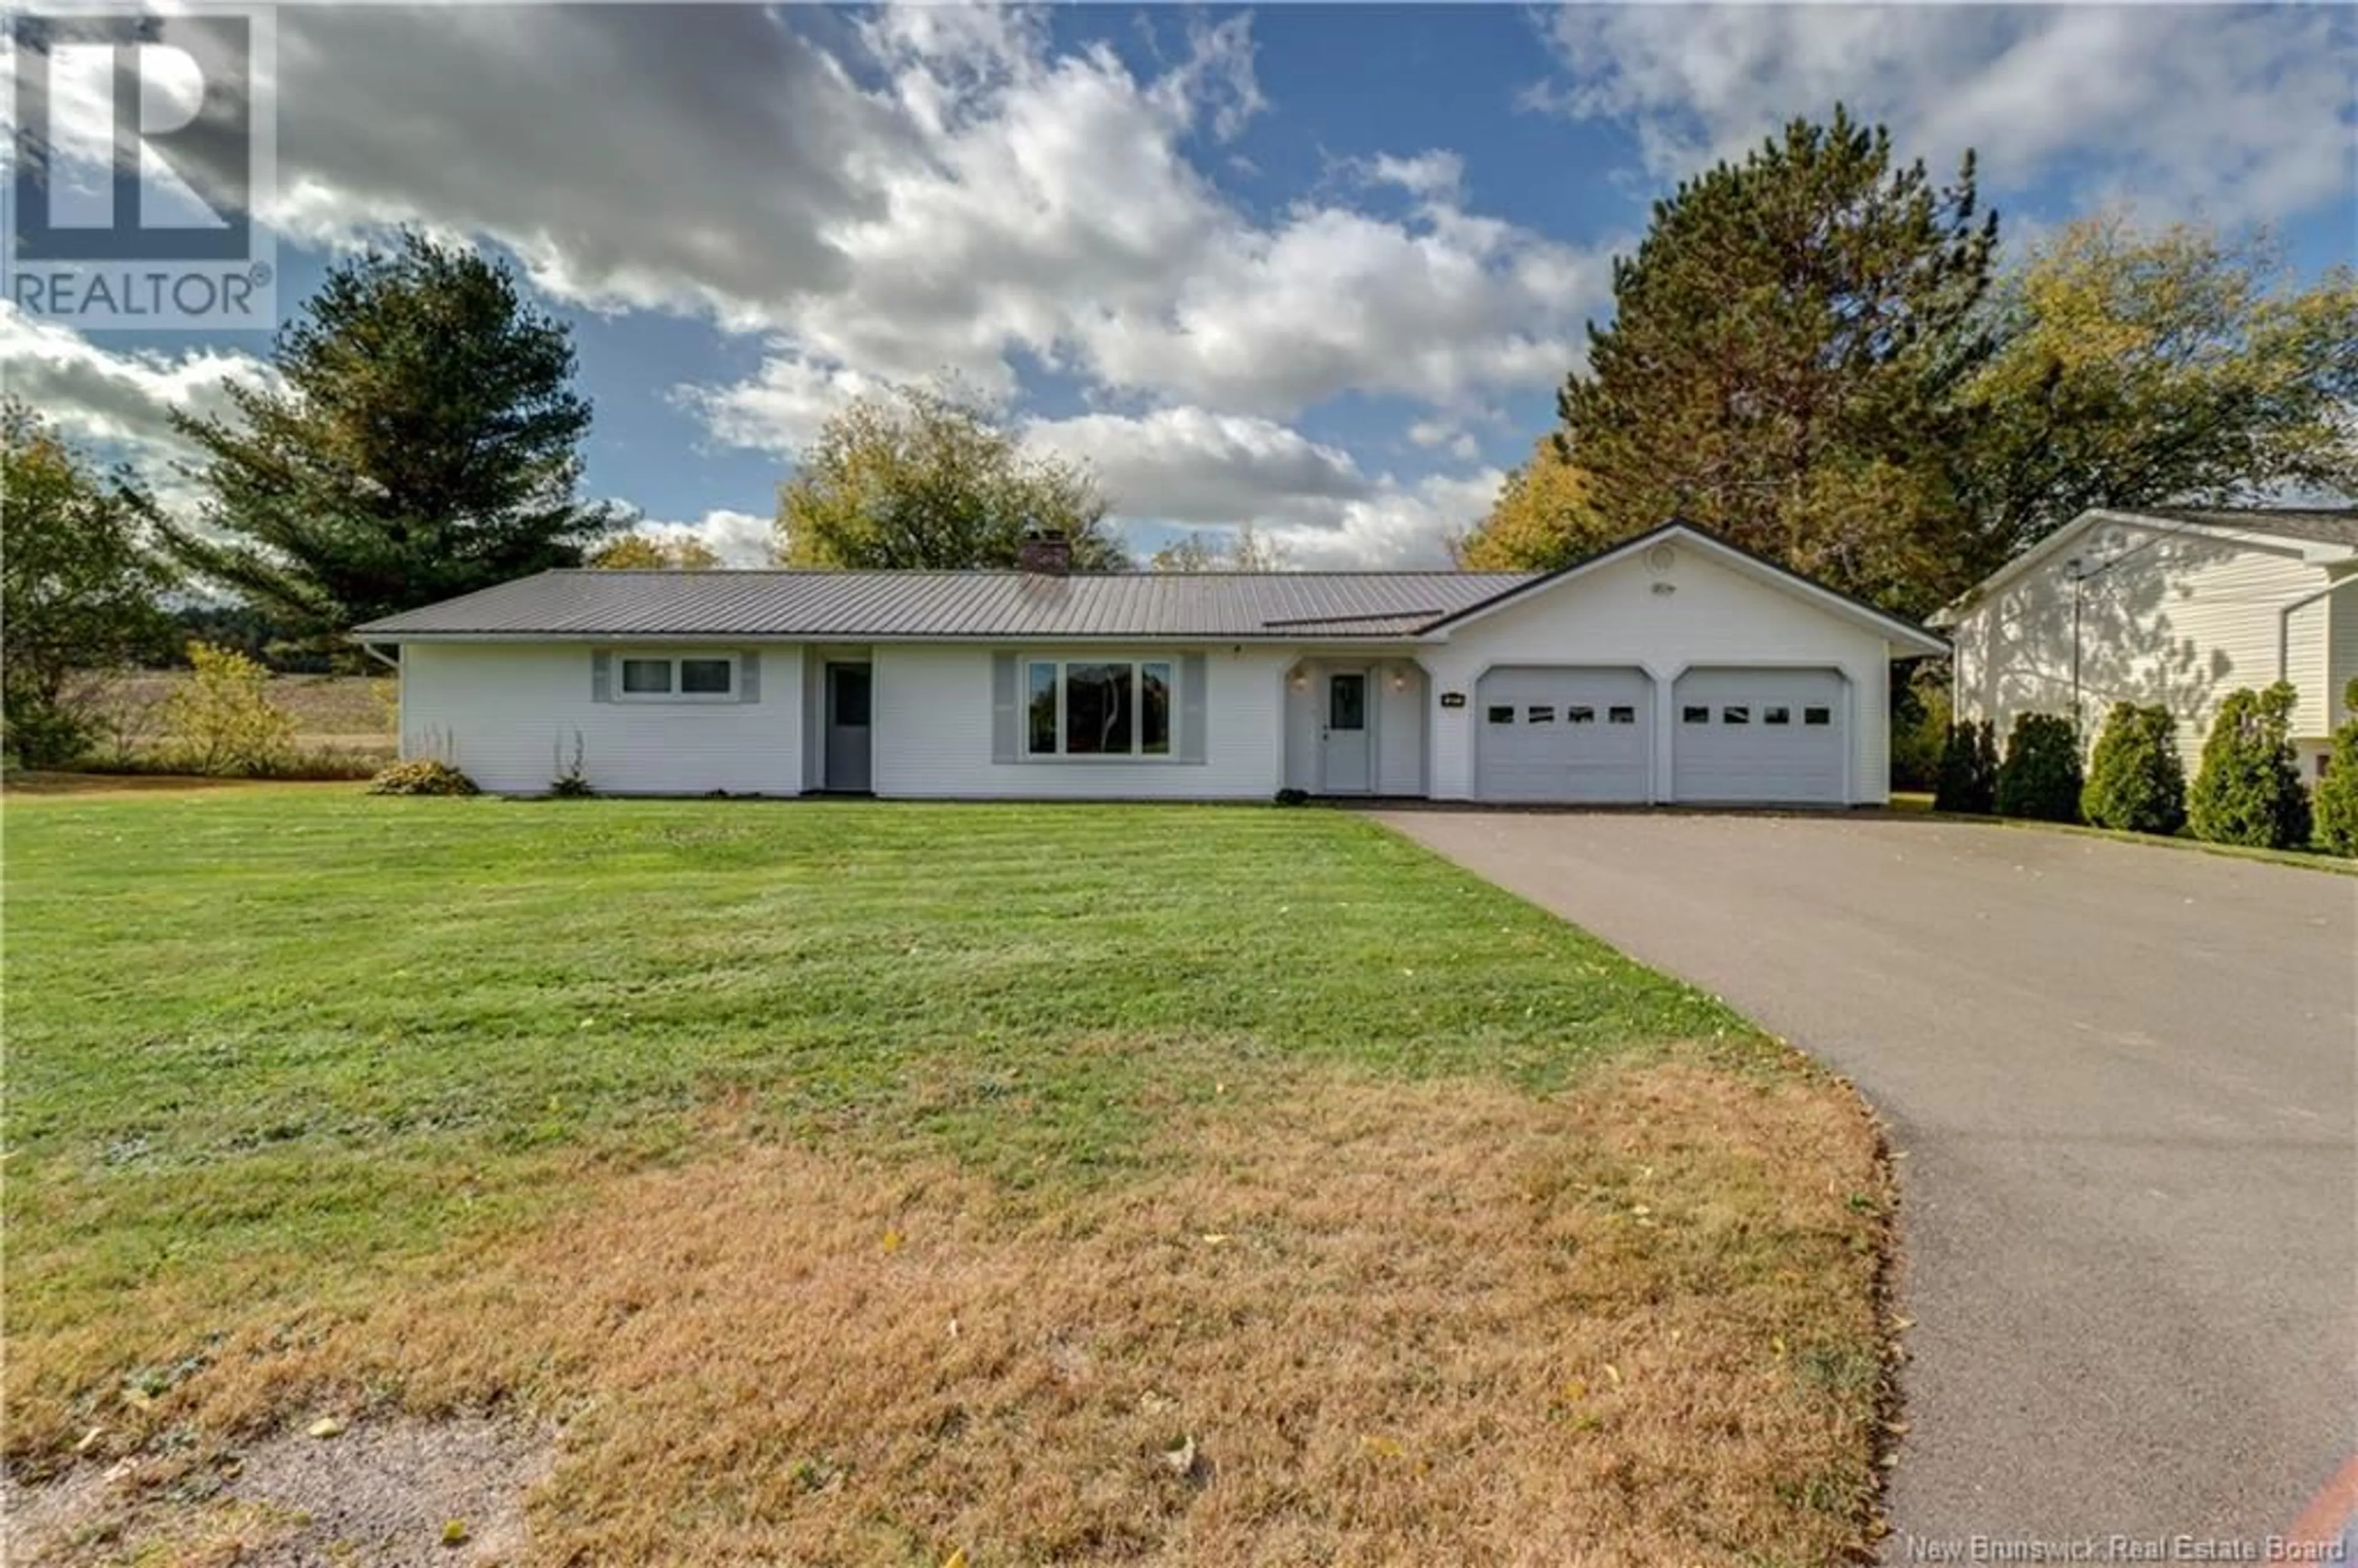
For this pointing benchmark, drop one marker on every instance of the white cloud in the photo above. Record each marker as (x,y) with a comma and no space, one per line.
(1396,524)
(2245,111)
(916,190)
(780,408)
(1190,465)
(121,402)
(739,538)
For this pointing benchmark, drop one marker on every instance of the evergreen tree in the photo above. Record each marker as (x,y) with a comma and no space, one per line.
(1968,777)
(2040,779)
(2249,790)
(2136,781)
(1782,359)
(2336,801)
(424,442)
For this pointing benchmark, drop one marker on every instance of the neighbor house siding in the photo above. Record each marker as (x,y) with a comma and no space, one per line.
(2342,622)
(1695,612)
(508,715)
(2176,617)
(932,714)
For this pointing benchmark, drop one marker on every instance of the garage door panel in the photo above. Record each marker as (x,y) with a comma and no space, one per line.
(1564,733)
(1765,736)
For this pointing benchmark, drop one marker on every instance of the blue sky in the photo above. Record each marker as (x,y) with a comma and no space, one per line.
(1314,267)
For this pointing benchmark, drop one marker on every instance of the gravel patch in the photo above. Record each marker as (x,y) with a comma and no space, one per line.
(394,1494)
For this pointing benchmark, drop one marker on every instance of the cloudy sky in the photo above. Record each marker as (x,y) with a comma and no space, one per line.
(1318,268)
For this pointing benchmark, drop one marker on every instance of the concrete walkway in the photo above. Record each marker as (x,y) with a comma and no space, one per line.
(2124,1083)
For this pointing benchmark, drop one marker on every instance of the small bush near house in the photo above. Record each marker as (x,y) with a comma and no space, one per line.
(425,776)
(2040,779)
(2336,800)
(221,721)
(1968,777)
(2136,779)
(1919,726)
(571,782)
(2249,790)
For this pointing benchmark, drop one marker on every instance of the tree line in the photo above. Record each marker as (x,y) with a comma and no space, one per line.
(1812,351)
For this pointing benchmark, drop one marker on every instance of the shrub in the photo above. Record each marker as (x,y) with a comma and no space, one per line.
(2040,779)
(2136,779)
(1919,726)
(2337,792)
(1292,796)
(571,782)
(220,720)
(425,776)
(2249,790)
(1968,777)
(41,732)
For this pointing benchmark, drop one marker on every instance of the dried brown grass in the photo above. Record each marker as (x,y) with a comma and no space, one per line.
(1364,1320)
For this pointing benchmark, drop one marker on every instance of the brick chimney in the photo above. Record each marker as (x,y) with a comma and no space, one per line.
(1045,551)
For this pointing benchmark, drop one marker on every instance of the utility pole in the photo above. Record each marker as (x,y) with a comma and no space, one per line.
(2078,576)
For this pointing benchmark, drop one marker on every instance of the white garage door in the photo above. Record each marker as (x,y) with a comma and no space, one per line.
(1562,733)
(1760,736)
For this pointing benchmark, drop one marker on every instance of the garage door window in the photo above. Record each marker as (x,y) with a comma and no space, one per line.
(1502,714)
(1817,716)
(1776,716)
(1736,716)
(1697,715)
(1581,715)
(1621,715)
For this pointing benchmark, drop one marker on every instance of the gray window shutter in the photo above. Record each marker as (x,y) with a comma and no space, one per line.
(601,677)
(748,675)
(1193,679)
(1005,731)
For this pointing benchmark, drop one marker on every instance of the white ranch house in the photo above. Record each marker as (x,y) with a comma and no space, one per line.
(1674,667)
(2175,606)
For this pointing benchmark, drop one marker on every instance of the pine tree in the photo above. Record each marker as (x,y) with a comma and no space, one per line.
(1781,359)
(424,442)
(2249,789)
(2336,801)
(2136,781)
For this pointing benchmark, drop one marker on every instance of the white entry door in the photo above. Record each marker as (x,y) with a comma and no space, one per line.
(1343,745)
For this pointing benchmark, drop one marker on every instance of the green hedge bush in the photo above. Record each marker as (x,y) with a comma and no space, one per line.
(2136,781)
(2249,790)
(2040,779)
(1968,777)
(2337,793)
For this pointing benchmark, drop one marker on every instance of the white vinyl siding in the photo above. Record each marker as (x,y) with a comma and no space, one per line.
(2176,617)
(1716,613)
(507,714)
(934,713)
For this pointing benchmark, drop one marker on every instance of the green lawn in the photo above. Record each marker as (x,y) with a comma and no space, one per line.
(266,1046)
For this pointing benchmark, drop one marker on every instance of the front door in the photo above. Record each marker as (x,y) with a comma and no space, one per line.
(1345,744)
(847,727)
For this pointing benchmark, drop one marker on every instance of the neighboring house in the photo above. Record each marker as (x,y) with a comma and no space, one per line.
(1674,668)
(2175,606)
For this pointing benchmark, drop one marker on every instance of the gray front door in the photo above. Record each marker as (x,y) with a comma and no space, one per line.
(1343,747)
(846,727)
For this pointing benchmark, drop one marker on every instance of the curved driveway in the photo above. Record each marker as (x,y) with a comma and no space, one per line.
(2124,1081)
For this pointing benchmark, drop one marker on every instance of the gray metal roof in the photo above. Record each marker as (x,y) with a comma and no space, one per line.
(2324,525)
(1296,606)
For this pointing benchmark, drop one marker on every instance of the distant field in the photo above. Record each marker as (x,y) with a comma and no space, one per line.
(351,714)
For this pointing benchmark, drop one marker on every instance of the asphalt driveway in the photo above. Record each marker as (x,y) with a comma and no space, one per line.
(2124,1084)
